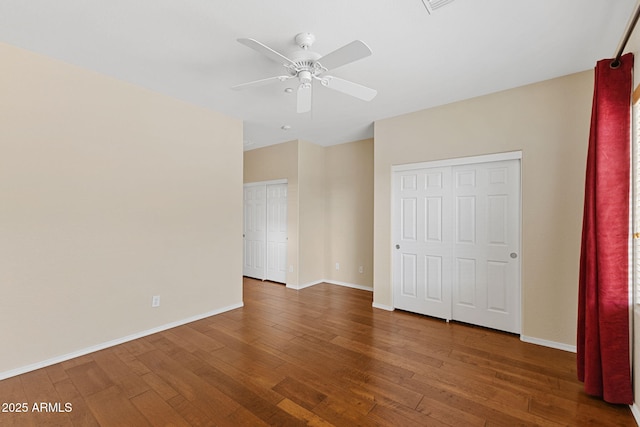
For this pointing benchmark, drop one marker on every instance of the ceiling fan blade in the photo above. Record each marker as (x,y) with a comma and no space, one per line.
(349,53)
(304,98)
(350,88)
(266,51)
(261,82)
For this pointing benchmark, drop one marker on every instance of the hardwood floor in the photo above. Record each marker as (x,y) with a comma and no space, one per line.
(320,356)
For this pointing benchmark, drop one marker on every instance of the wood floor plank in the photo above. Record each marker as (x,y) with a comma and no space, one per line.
(494,412)
(258,380)
(157,411)
(112,408)
(320,356)
(244,417)
(119,373)
(77,361)
(129,359)
(177,338)
(158,385)
(404,358)
(399,415)
(351,394)
(448,415)
(89,378)
(241,394)
(13,395)
(80,414)
(380,388)
(12,388)
(299,393)
(336,412)
(191,412)
(45,404)
(480,389)
(56,373)
(248,359)
(557,409)
(38,387)
(301,413)
(138,346)
(201,341)
(190,385)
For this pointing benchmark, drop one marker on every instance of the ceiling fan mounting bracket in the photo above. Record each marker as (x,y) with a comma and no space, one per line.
(305,40)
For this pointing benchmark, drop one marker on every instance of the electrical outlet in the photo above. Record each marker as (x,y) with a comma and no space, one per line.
(337,266)
(155,301)
(360,269)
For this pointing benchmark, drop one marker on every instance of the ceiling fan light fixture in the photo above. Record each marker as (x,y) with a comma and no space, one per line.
(305,76)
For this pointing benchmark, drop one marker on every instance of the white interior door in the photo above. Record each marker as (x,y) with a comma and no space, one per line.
(456,237)
(422,255)
(277,232)
(254,231)
(265,231)
(486,279)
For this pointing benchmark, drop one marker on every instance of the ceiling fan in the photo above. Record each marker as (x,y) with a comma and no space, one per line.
(307,66)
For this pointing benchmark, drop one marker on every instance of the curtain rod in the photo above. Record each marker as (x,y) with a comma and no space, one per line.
(627,34)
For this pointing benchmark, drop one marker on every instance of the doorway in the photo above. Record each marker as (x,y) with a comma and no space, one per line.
(456,237)
(265,231)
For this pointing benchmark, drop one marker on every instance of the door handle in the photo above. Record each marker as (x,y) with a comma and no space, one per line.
(397,246)
(513,255)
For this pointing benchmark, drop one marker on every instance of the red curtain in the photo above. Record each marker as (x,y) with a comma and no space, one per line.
(603,310)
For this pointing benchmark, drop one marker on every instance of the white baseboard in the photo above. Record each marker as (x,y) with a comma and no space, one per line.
(304,285)
(331,282)
(382,306)
(350,285)
(546,343)
(117,341)
(635,410)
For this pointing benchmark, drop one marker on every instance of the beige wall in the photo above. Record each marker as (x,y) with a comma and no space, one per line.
(279,162)
(334,216)
(349,212)
(549,122)
(311,242)
(110,194)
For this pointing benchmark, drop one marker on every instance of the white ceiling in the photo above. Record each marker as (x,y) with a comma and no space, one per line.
(188,49)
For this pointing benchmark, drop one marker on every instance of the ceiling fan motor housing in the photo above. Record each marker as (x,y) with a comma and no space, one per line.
(305,61)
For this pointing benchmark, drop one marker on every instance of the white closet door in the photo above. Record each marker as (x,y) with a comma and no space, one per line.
(486,280)
(277,233)
(456,237)
(254,231)
(422,252)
